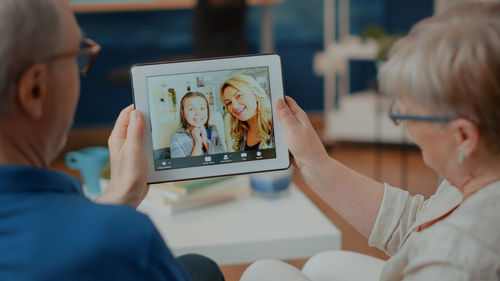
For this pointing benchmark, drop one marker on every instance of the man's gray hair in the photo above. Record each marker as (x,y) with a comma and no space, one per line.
(30,31)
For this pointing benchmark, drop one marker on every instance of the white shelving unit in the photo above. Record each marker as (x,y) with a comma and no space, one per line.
(360,117)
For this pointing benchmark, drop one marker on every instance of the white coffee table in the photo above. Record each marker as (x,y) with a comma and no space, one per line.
(248,228)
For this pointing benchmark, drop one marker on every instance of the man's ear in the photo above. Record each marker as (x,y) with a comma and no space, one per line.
(466,134)
(32,90)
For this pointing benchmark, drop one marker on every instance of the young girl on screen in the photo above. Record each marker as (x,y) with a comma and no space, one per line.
(195,137)
(250,110)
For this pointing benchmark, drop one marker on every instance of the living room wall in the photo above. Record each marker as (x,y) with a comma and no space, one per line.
(133,37)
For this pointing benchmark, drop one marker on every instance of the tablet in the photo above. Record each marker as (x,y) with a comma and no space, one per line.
(211,117)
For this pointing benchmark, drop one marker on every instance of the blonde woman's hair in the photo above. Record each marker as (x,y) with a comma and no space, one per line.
(449,65)
(247,85)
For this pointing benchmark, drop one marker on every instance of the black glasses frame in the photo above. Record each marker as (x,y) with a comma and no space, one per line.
(398,118)
(89,49)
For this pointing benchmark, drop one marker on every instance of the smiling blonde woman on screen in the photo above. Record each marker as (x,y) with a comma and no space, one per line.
(250,110)
(445,77)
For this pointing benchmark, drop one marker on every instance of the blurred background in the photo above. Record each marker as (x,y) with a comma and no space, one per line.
(140,35)
(330,52)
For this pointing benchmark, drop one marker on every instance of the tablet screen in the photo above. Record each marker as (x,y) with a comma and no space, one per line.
(209,118)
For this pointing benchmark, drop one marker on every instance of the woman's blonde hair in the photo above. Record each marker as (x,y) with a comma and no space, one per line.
(247,85)
(188,95)
(449,65)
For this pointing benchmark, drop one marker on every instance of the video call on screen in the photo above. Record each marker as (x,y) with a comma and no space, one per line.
(209,118)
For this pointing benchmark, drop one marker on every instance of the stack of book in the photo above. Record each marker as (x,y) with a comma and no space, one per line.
(186,195)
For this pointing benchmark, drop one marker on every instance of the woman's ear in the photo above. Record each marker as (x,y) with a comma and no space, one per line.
(32,90)
(466,135)
(257,99)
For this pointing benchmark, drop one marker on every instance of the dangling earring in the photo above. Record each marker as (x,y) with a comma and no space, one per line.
(461,156)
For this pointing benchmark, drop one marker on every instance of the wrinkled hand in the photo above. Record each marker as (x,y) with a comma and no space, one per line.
(128,184)
(303,142)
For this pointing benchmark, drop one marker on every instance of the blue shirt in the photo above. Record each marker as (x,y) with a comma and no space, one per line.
(50,231)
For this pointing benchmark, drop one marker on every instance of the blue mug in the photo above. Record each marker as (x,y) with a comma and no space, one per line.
(271,184)
(89,162)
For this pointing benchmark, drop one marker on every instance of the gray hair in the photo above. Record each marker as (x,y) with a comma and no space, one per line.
(450,65)
(31,30)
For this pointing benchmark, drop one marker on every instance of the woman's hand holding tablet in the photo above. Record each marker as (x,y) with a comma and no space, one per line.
(214,117)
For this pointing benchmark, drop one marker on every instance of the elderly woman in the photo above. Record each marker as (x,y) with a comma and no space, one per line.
(445,76)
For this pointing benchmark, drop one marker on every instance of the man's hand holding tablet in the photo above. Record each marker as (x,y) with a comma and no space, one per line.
(214,117)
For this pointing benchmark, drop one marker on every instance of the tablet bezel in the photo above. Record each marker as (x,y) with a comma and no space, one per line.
(141,72)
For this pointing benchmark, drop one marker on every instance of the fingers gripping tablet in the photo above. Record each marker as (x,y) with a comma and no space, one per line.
(211,117)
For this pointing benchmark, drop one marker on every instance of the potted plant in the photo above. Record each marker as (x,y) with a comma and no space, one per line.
(384,41)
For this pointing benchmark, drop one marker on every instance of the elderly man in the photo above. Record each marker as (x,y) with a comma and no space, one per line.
(48,230)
